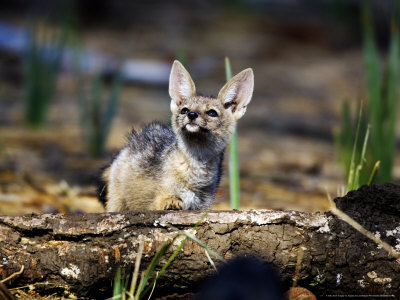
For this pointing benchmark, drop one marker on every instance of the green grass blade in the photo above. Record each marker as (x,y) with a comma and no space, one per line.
(228,69)
(139,293)
(374,172)
(359,167)
(172,257)
(111,108)
(382,94)
(393,66)
(364,148)
(343,138)
(95,104)
(374,81)
(83,104)
(233,156)
(352,170)
(97,112)
(42,64)
(136,271)
(201,244)
(165,266)
(118,286)
(372,66)
(388,126)
(203,216)
(142,290)
(234,172)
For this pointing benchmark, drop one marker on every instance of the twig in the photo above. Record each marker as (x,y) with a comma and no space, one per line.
(210,260)
(300,255)
(154,285)
(13,275)
(64,286)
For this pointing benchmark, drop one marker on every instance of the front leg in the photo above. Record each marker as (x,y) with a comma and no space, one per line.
(177,197)
(167,201)
(172,203)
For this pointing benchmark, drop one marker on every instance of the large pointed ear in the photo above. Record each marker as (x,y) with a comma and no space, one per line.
(181,85)
(237,92)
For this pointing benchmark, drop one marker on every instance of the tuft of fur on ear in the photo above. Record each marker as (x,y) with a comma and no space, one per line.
(181,85)
(237,92)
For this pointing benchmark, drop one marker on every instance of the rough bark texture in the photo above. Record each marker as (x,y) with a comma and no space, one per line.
(80,253)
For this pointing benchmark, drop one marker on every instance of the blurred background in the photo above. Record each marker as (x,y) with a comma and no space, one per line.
(76,76)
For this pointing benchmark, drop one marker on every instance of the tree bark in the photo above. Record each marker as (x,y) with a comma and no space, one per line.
(80,253)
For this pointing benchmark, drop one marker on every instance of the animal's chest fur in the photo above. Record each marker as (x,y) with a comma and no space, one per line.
(190,180)
(190,173)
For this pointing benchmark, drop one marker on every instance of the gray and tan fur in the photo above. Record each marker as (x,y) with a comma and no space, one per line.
(179,166)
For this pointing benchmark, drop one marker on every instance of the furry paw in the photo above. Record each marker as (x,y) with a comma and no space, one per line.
(173,204)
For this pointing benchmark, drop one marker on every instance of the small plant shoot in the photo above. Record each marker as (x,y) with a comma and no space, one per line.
(234,180)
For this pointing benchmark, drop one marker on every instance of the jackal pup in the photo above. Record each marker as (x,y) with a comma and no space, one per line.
(178,166)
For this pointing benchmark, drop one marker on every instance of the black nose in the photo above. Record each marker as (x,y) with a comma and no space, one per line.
(192,115)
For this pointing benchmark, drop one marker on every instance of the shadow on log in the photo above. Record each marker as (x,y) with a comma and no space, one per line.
(80,254)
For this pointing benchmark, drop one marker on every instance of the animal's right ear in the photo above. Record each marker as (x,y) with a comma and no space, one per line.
(181,85)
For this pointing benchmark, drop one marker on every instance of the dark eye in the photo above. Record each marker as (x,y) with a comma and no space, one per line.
(184,111)
(212,113)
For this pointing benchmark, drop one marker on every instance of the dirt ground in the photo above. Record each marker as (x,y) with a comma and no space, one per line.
(287,154)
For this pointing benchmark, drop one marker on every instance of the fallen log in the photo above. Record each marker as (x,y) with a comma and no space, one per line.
(80,254)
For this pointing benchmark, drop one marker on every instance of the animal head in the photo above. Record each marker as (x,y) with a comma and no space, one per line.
(206,118)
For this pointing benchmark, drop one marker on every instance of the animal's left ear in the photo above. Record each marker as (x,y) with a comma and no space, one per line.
(237,92)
